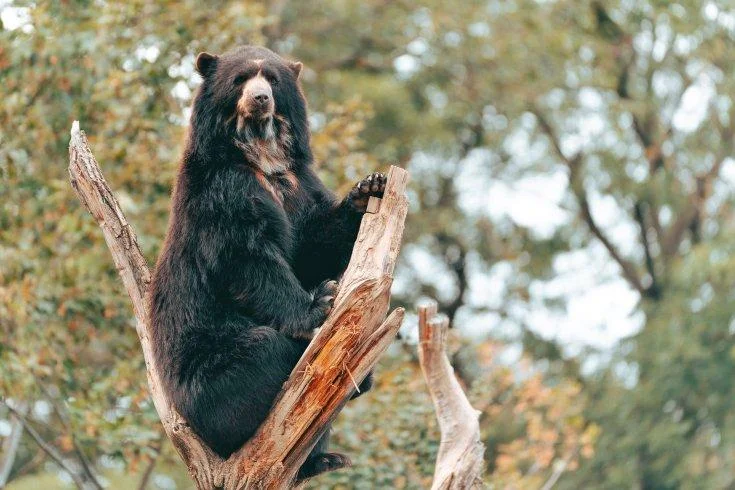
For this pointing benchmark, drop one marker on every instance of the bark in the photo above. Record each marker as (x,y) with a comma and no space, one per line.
(460,460)
(341,354)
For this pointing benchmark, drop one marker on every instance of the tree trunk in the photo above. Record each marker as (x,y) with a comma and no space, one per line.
(344,350)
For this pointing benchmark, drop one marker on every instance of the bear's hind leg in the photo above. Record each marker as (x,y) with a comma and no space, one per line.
(229,397)
(320,461)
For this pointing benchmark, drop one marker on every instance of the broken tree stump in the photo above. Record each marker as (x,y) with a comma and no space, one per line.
(459,463)
(345,349)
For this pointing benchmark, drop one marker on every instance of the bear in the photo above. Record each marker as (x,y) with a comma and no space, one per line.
(253,251)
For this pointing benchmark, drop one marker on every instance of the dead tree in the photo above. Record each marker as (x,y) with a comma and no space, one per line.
(460,459)
(338,358)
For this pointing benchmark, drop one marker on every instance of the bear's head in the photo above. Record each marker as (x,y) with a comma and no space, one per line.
(251,97)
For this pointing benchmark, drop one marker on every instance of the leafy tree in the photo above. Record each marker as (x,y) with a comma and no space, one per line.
(625,107)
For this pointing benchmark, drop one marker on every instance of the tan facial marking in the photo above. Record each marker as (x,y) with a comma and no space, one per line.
(254,87)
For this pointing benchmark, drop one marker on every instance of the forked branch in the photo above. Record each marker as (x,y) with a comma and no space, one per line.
(345,349)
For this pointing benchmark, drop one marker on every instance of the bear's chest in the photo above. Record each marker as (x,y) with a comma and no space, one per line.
(283,188)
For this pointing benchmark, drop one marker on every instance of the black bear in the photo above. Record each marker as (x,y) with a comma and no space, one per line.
(254,245)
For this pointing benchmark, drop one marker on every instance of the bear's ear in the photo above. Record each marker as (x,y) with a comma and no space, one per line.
(296,67)
(206,63)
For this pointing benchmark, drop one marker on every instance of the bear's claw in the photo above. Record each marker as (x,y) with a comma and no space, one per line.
(324,300)
(372,185)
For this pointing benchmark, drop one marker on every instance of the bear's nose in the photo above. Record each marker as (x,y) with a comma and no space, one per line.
(261,98)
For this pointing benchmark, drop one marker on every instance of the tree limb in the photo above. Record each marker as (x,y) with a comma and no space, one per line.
(654,289)
(629,270)
(646,129)
(50,450)
(692,211)
(84,461)
(574,163)
(558,471)
(11,444)
(455,253)
(148,472)
(347,346)
(460,460)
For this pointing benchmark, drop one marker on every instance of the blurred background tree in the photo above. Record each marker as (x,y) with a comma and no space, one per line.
(571,210)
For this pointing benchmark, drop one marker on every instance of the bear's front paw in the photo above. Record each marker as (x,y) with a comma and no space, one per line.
(323,302)
(372,185)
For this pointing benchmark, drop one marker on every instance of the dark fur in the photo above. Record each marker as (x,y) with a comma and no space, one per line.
(238,286)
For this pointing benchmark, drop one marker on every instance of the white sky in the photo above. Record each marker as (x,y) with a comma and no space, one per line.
(14,17)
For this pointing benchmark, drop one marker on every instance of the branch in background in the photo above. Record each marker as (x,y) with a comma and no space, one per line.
(574,164)
(626,54)
(448,199)
(607,28)
(50,451)
(655,220)
(30,466)
(360,59)
(459,463)
(346,348)
(66,424)
(645,131)
(694,209)
(559,469)
(690,217)
(675,234)
(457,264)
(11,444)
(654,290)
(143,484)
(627,267)
(473,139)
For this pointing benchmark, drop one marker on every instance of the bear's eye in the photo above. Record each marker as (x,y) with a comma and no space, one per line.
(240,79)
(272,79)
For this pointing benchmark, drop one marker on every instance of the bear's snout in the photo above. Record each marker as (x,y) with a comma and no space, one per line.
(261,98)
(257,98)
